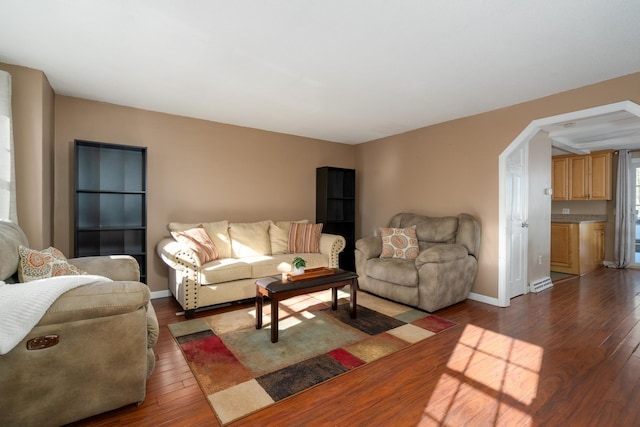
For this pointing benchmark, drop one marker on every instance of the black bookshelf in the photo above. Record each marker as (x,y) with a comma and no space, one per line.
(336,206)
(111,201)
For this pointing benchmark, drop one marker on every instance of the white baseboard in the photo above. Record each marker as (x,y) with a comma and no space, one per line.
(485,299)
(472,296)
(160,294)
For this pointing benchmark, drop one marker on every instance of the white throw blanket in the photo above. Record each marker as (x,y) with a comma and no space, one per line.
(22,305)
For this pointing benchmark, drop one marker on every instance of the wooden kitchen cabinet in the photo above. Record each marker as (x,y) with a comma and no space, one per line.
(577,248)
(560,178)
(579,167)
(600,176)
(582,177)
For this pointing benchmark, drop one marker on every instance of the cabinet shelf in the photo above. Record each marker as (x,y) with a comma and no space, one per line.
(110,201)
(116,228)
(84,191)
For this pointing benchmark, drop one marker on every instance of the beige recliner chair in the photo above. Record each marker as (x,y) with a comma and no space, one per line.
(91,352)
(443,272)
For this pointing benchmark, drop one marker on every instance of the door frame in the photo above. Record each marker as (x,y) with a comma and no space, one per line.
(635,168)
(503,299)
(523,203)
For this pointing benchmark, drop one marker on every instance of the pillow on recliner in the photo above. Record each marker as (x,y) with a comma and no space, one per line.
(49,262)
(399,243)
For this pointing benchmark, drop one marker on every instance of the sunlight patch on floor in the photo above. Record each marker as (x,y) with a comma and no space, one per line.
(499,374)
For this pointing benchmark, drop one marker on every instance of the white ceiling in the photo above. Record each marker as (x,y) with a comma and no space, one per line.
(348,71)
(617,129)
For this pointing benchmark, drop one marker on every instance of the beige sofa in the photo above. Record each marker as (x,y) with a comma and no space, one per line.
(247,251)
(105,331)
(443,272)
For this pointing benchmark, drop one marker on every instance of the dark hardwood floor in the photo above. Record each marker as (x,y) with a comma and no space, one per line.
(564,357)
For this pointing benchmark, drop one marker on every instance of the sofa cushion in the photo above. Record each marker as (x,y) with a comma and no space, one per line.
(394,270)
(440,230)
(249,239)
(49,262)
(224,270)
(304,238)
(399,243)
(428,229)
(198,241)
(218,232)
(279,235)
(442,253)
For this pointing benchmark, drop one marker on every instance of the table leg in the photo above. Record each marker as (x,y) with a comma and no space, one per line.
(352,301)
(259,302)
(274,319)
(334,298)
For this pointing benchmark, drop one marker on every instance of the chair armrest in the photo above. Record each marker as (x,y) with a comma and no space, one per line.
(177,256)
(442,254)
(153,327)
(115,267)
(101,299)
(371,247)
(332,245)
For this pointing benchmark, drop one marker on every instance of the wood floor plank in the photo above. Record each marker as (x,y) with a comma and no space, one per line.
(566,356)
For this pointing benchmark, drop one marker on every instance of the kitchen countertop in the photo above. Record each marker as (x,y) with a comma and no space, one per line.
(578,218)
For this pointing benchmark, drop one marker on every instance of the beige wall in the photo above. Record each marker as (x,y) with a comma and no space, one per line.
(201,170)
(452,167)
(197,170)
(32,116)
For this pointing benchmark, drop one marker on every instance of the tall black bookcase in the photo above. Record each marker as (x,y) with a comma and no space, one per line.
(111,201)
(336,207)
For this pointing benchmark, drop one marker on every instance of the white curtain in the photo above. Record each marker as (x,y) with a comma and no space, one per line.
(623,249)
(8,208)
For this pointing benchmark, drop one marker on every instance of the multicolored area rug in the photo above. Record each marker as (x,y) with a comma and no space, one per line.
(241,371)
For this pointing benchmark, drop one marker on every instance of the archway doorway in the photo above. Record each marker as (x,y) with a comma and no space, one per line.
(589,118)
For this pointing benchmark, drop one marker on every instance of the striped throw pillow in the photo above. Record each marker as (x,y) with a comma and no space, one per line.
(304,238)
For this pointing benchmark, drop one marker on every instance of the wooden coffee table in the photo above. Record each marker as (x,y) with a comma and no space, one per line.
(278,289)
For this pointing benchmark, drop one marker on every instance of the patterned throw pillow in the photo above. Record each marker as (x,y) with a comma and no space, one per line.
(198,241)
(304,238)
(50,262)
(399,243)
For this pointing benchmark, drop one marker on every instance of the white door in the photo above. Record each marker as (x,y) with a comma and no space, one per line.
(516,215)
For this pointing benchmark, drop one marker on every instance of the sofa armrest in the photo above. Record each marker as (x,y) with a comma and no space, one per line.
(332,245)
(441,254)
(115,267)
(370,247)
(177,256)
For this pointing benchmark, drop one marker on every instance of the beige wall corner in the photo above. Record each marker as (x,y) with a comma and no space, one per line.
(32,106)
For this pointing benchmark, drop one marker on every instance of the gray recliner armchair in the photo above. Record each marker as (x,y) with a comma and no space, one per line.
(443,272)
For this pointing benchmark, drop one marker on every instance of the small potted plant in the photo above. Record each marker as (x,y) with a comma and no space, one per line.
(298,265)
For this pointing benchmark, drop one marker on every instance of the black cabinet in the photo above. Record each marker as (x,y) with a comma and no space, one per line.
(336,207)
(111,201)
